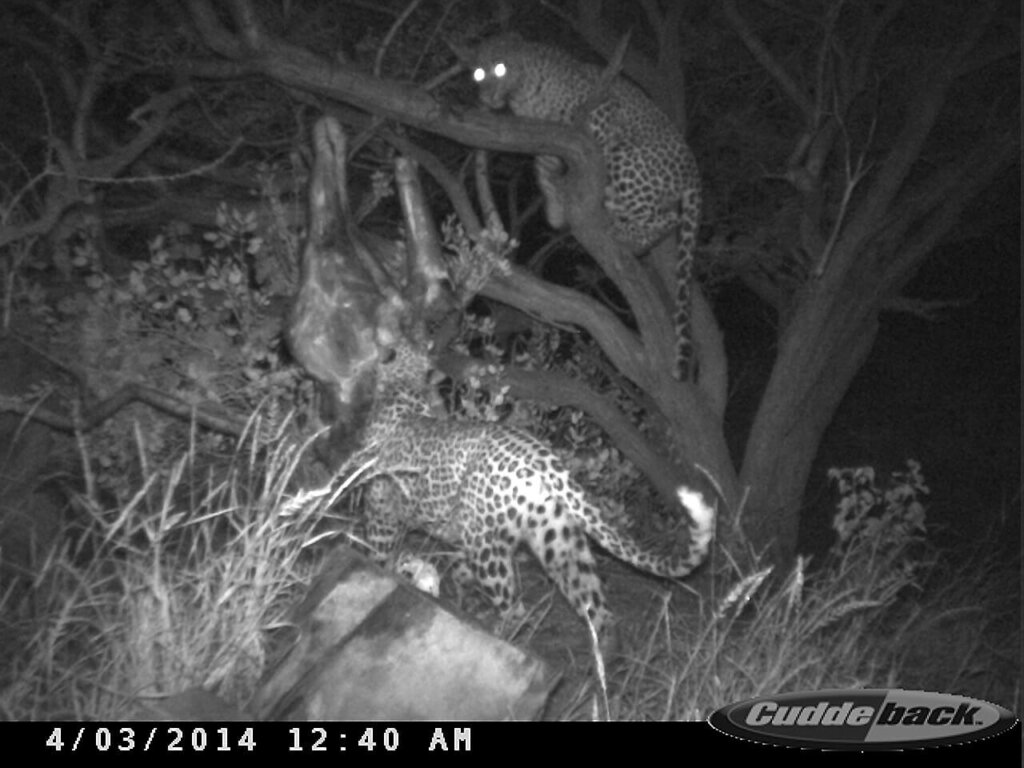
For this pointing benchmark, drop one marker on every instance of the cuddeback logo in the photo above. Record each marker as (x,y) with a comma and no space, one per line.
(863,719)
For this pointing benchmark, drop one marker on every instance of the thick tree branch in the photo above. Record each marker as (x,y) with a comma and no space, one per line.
(408,104)
(556,304)
(562,390)
(299,68)
(933,215)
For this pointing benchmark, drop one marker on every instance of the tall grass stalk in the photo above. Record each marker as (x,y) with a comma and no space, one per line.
(181,587)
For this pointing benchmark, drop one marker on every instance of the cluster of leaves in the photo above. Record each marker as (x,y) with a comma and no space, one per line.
(893,513)
(472,261)
(882,523)
(880,549)
(197,319)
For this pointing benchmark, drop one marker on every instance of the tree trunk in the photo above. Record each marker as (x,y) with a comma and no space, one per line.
(820,352)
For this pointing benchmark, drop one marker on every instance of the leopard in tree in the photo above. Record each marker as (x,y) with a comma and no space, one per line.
(653,179)
(487,488)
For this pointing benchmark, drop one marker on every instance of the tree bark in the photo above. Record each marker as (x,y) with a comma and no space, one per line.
(817,360)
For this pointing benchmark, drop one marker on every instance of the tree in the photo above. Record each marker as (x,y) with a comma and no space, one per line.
(647,365)
(878,125)
(882,169)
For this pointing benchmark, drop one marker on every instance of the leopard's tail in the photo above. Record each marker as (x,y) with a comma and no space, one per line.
(688,226)
(701,527)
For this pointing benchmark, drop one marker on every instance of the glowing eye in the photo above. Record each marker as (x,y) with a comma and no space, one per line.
(479,74)
(499,70)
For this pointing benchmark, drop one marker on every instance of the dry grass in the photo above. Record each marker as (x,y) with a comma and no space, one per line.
(182,587)
(884,610)
(190,584)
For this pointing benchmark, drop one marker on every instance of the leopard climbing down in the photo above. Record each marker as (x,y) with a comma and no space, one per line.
(486,488)
(653,179)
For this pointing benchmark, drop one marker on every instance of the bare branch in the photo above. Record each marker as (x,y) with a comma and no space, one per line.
(825,54)
(865,48)
(89,419)
(213,33)
(248,25)
(453,188)
(95,75)
(58,63)
(764,57)
(424,261)
(604,83)
(164,178)
(921,115)
(961,182)
(652,11)
(443,77)
(990,55)
(925,309)
(483,191)
(854,175)
(159,108)
(378,62)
